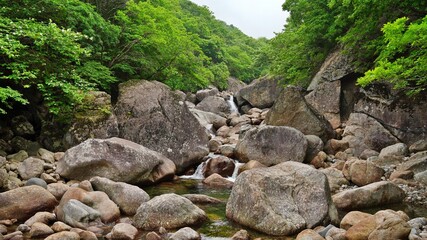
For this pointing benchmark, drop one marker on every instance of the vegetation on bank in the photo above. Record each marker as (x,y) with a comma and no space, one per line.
(63,49)
(60,50)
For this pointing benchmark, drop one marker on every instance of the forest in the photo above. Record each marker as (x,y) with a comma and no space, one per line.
(63,49)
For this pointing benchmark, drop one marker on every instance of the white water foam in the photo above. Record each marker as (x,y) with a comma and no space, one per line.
(232,105)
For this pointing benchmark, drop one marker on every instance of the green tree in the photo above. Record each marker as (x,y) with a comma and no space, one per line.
(403,60)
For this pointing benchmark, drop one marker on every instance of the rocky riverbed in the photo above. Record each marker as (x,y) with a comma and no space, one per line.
(277,168)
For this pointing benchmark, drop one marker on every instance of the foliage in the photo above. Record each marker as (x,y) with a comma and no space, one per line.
(403,61)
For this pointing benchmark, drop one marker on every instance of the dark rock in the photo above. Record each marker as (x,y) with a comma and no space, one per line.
(281,200)
(149,113)
(261,93)
(168,211)
(22,127)
(272,145)
(291,109)
(37,182)
(116,159)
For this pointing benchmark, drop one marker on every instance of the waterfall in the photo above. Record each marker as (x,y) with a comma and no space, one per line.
(198,174)
(237,165)
(232,105)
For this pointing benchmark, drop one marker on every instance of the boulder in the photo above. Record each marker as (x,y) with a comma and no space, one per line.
(204,93)
(42,217)
(291,109)
(106,209)
(60,226)
(335,178)
(326,99)
(395,150)
(222,165)
(123,231)
(418,146)
(126,196)
(309,234)
(77,214)
(281,200)
(261,93)
(272,145)
(36,181)
(208,119)
(241,235)
(185,234)
(94,119)
(168,211)
(364,132)
(214,104)
(417,163)
(217,181)
(31,167)
(352,218)
(251,165)
(362,172)
(40,230)
(22,203)
(64,236)
(314,146)
(116,159)
(372,195)
(149,113)
(390,225)
(402,115)
(58,189)
(234,85)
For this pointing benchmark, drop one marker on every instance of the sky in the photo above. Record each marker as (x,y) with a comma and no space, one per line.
(256,18)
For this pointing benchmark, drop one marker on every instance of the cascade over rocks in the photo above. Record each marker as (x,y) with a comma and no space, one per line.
(291,109)
(116,159)
(151,114)
(281,200)
(261,93)
(271,145)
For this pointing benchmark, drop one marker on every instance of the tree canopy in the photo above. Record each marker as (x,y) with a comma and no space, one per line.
(63,49)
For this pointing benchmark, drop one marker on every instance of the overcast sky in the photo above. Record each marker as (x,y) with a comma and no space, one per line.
(256,18)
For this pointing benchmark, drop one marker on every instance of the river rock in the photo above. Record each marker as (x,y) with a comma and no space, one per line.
(372,195)
(31,167)
(39,229)
(185,234)
(361,229)
(362,172)
(168,211)
(60,226)
(272,145)
(364,132)
(207,119)
(217,181)
(42,217)
(64,236)
(314,146)
(36,181)
(116,159)
(421,177)
(149,113)
(416,163)
(32,199)
(123,231)
(214,104)
(126,196)
(390,225)
(281,200)
(418,146)
(261,93)
(93,120)
(352,218)
(222,165)
(58,189)
(204,93)
(335,178)
(309,234)
(76,213)
(99,201)
(4,176)
(201,199)
(291,109)
(251,165)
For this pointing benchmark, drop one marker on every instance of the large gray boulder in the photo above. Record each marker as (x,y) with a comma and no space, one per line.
(116,159)
(214,104)
(128,197)
(364,132)
(31,167)
(93,120)
(169,211)
(22,203)
(291,109)
(372,195)
(403,116)
(151,114)
(281,200)
(272,145)
(261,93)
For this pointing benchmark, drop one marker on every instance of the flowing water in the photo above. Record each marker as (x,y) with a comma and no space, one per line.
(232,104)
